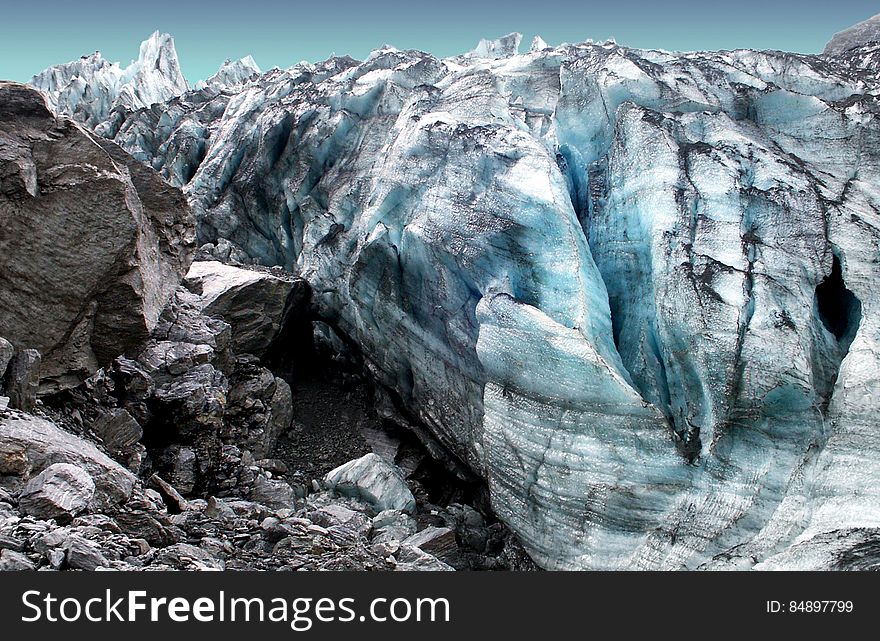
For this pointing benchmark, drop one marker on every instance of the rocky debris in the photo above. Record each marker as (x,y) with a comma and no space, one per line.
(10,560)
(45,444)
(393,525)
(152,527)
(205,414)
(318,534)
(184,556)
(60,492)
(22,380)
(182,321)
(193,403)
(250,300)
(331,413)
(279,527)
(93,242)
(375,481)
(438,541)
(259,407)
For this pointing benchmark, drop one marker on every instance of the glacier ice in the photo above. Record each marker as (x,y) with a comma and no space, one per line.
(232,74)
(633,290)
(90,88)
(503,47)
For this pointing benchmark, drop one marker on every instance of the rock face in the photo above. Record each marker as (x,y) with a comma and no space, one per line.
(633,290)
(371,479)
(860,34)
(92,243)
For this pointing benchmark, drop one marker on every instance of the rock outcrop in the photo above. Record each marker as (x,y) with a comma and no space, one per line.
(92,243)
(863,33)
(251,301)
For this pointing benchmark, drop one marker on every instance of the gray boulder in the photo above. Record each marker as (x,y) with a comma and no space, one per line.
(83,554)
(413,559)
(46,444)
(437,541)
(23,379)
(92,243)
(12,561)
(373,480)
(118,429)
(273,493)
(341,522)
(251,301)
(61,491)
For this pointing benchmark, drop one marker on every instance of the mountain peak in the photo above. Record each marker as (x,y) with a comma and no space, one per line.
(856,35)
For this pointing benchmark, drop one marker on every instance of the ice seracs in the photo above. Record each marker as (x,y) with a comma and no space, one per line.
(538,44)
(503,47)
(89,88)
(232,74)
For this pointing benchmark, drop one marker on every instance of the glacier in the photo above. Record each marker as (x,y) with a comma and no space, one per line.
(633,290)
(90,88)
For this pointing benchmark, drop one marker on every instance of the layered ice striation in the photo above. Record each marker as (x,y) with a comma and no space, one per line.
(634,290)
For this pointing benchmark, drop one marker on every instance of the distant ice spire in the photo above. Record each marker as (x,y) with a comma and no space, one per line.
(503,47)
(538,44)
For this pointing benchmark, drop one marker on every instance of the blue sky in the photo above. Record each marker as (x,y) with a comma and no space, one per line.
(34,35)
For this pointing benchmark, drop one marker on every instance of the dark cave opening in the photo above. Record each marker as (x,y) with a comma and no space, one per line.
(839,309)
(616,323)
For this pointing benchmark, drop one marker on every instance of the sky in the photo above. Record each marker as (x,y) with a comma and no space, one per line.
(37,34)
